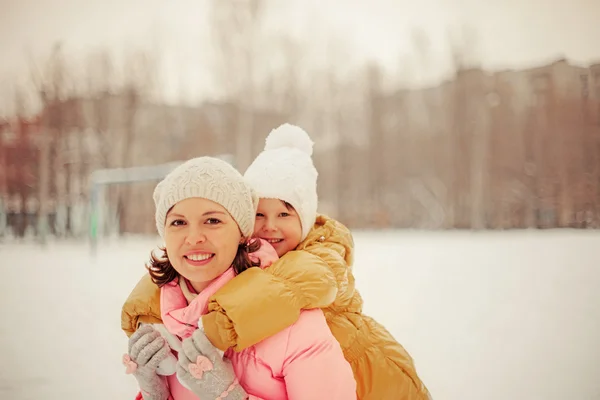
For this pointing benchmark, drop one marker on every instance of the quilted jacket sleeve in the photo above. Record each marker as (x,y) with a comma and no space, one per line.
(141,306)
(259,303)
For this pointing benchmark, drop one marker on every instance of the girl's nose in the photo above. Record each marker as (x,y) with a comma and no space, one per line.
(269,226)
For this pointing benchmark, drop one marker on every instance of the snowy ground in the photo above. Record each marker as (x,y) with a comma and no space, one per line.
(490,316)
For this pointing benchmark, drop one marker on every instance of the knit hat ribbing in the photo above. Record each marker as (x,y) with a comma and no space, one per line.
(212,179)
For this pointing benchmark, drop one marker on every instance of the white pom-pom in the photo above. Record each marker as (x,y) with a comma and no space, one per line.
(288,135)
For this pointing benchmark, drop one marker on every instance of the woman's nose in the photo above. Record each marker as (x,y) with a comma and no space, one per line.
(195,236)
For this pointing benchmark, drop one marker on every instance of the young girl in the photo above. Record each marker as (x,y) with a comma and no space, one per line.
(205,214)
(314,271)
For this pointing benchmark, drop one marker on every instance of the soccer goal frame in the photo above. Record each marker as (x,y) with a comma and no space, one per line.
(101,179)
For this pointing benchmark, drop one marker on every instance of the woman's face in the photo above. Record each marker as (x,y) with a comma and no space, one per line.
(201,239)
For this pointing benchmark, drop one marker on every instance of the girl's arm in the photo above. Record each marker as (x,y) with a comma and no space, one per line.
(142,306)
(260,303)
(316,275)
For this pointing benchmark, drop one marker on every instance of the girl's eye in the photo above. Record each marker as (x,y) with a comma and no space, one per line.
(213,221)
(177,222)
(284,214)
(260,215)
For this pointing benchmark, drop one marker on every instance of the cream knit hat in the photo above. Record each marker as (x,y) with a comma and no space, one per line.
(285,171)
(212,179)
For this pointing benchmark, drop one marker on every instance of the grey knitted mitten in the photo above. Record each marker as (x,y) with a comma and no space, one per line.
(205,372)
(147,348)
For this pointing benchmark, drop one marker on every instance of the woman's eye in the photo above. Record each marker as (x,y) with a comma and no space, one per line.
(284,214)
(177,222)
(213,221)
(260,215)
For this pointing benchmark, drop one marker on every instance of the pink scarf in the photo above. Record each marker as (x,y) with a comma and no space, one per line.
(181,318)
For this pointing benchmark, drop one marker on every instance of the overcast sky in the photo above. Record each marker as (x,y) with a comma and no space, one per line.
(509,33)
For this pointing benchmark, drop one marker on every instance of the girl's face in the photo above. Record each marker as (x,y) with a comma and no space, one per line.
(201,239)
(279,224)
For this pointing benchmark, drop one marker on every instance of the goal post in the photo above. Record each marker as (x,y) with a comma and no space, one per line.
(102,178)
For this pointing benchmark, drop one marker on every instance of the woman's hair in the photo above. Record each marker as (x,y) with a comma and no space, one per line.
(162,272)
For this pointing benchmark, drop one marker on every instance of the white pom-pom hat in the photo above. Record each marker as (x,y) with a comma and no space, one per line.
(285,171)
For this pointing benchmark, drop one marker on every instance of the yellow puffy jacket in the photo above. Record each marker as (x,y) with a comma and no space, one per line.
(142,306)
(318,274)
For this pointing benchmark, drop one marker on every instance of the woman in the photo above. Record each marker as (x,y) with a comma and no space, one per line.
(205,213)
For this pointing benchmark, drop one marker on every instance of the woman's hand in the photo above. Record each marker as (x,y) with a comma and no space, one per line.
(204,371)
(147,349)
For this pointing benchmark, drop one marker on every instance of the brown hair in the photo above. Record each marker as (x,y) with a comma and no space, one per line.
(288,205)
(162,272)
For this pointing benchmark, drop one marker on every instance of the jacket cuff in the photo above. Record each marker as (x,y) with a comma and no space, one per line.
(219,330)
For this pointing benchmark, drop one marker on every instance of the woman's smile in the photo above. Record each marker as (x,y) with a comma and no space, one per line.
(198,259)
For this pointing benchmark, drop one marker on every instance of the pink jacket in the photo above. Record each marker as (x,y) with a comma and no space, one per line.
(302,362)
